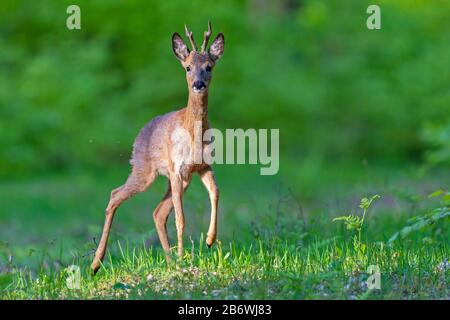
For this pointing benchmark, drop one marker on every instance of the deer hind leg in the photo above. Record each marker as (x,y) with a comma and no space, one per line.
(209,182)
(160,216)
(176,186)
(137,182)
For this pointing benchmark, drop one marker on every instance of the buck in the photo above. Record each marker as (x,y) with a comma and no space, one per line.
(160,150)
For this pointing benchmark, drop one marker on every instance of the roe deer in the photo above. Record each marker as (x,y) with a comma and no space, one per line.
(153,149)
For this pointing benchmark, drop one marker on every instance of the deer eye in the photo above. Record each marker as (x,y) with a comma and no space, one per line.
(188,68)
(208,68)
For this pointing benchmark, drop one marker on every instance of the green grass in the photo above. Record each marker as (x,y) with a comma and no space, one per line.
(265,270)
(276,242)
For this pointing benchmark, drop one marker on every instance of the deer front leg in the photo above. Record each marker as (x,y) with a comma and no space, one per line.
(160,216)
(207,177)
(177,199)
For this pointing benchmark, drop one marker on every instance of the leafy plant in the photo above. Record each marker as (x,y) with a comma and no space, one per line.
(420,222)
(353,222)
(437,137)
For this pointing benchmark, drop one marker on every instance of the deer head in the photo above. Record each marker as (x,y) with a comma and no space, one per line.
(198,65)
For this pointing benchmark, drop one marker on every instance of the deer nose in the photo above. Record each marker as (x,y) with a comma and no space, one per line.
(199,85)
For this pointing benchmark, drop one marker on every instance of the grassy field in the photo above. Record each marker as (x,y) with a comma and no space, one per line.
(360,113)
(276,240)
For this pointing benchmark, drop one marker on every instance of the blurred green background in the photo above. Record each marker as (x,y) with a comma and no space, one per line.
(336,89)
(358,110)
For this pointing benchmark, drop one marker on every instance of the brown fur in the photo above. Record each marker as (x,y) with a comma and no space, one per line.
(153,152)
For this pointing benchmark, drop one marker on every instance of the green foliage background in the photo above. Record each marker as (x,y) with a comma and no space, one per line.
(338,91)
(360,112)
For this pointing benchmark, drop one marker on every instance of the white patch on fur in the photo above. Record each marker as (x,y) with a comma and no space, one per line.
(181,149)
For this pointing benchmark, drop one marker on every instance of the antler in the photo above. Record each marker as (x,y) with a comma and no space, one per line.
(206,36)
(191,38)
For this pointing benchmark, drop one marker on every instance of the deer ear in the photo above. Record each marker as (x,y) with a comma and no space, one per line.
(180,49)
(216,49)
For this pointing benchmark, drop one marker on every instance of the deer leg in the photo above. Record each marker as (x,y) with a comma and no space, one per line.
(176,185)
(136,183)
(160,216)
(209,182)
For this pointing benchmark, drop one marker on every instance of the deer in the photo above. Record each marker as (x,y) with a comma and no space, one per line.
(153,154)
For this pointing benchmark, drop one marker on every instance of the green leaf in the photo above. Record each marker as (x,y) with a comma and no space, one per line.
(446,199)
(340,218)
(436,193)
(365,203)
(6,280)
(363,248)
(351,221)
(421,222)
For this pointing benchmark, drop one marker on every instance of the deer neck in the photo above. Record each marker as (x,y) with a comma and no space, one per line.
(197,110)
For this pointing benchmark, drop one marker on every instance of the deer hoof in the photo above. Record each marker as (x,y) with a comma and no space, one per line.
(210,241)
(95,267)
